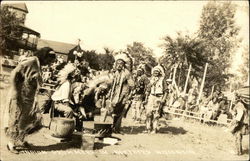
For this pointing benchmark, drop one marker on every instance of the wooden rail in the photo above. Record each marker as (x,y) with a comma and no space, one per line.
(197,115)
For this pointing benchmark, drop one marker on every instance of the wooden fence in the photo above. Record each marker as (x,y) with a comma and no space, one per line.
(222,119)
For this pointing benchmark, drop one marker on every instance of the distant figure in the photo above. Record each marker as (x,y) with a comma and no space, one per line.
(141,82)
(170,90)
(240,122)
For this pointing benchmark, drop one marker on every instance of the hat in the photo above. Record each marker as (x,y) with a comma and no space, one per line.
(160,69)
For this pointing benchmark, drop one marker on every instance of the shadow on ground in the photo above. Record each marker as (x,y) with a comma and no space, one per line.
(173,130)
(165,130)
(73,143)
(54,147)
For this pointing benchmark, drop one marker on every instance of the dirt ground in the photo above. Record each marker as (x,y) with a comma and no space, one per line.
(178,140)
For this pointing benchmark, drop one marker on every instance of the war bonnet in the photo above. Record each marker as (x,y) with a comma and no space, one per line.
(243,94)
(160,69)
(128,60)
(68,70)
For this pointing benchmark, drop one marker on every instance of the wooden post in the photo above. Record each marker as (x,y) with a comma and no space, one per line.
(202,84)
(185,87)
(212,91)
(231,105)
(170,75)
(179,78)
(173,80)
(230,86)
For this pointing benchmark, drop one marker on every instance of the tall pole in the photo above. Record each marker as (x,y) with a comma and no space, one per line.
(202,83)
(170,75)
(212,90)
(179,77)
(173,80)
(185,87)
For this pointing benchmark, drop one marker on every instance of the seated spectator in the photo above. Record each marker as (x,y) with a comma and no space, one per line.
(224,107)
(213,109)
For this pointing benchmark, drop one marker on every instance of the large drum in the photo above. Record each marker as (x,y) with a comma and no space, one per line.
(62,127)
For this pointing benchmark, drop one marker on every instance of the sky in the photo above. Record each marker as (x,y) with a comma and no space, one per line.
(112,24)
(115,24)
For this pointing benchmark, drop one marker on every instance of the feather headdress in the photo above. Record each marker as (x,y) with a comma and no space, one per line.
(68,69)
(243,94)
(102,78)
(126,58)
(160,69)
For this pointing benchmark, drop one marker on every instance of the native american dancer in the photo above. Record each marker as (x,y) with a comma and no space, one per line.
(22,105)
(155,98)
(62,96)
(121,88)
(141,82)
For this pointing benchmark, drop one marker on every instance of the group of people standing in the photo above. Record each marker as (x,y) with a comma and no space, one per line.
(117,91)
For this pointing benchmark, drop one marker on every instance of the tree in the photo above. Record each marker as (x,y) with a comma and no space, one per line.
(141,55)
(9,28)
(244,69)
(99,61)
(106,60)
(219,33)
(180,52)
(92,58)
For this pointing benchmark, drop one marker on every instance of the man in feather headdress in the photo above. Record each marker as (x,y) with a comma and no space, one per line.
(22,109)
(63,93)
(155,98)
(121,88)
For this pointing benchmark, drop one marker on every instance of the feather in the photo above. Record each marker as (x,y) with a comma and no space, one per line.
(66,71)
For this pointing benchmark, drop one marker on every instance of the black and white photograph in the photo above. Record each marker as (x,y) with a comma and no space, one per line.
(124,80)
